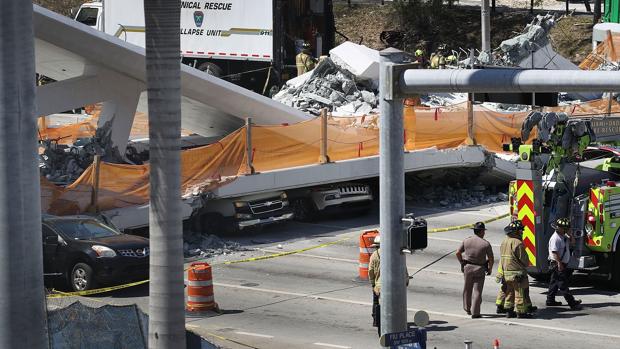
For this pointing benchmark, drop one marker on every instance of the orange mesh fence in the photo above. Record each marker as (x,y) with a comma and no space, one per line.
(68,134)
(609,49)
(278,147)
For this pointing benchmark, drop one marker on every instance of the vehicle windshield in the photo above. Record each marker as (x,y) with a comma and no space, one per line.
(88,16)
(84,229)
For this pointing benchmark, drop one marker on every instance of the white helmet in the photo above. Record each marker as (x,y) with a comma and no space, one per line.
(377,240)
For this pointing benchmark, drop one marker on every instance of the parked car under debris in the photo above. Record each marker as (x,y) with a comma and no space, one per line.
(82,253)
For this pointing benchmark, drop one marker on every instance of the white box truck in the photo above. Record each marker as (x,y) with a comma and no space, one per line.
(251,43)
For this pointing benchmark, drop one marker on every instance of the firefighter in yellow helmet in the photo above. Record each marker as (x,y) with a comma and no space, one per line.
(420,57)
(451,60)
(514,262)
(304,60)
(438,59)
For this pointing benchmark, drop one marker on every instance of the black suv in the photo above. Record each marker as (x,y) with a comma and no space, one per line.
(86,252)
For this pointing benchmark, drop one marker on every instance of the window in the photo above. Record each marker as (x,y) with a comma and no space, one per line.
(84,229)
(47,231)
(88,16)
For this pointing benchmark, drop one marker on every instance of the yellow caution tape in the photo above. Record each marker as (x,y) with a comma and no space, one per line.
(60,294)
(465,226)
(287,253)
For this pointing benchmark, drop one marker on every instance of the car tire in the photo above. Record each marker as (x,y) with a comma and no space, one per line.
(81,277)
(303,210)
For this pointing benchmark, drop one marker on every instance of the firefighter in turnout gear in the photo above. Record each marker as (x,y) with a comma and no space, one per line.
(501,296)
(304,60)
(514,262)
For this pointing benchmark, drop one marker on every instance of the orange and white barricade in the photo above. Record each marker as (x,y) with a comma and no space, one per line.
(200,288)
(366,240)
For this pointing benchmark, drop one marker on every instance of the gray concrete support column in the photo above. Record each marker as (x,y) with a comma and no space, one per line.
(393,296)
(119,114)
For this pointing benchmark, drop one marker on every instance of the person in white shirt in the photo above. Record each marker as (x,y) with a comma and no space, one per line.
(559,256)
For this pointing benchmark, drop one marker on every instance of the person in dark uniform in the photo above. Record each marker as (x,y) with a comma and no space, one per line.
(559,256)
(476,257)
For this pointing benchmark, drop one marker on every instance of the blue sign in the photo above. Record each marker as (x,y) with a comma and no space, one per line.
(412,338)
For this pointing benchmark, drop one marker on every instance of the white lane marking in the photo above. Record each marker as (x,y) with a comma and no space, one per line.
(471,213)
(454,240)
(459,316)
(331,345)
(354,261)
(254,334)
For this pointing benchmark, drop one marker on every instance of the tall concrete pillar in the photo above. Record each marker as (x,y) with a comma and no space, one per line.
(22,298)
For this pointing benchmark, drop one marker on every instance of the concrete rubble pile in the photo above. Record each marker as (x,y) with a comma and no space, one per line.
(609,66)
(62,164)
(531,48)
(455,194)
(205,245)
(535,36)
(344,85)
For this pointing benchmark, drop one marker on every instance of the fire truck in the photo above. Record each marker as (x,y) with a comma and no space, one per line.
(559,174)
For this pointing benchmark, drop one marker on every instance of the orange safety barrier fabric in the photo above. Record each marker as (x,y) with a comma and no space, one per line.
(278,147)
(609,49)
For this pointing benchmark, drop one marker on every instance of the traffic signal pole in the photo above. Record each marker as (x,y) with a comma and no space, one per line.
(393,298)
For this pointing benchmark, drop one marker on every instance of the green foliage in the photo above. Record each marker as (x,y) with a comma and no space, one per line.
(60,6)
(422,21)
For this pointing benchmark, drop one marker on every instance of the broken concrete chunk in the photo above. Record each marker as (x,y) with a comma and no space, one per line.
(369,97)
(348,87)
(360,60)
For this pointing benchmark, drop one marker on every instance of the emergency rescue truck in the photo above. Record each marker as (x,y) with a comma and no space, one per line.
(560,175)
(252,43)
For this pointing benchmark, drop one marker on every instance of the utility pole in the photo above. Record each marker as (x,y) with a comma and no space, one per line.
(393,298)
(163,72)
(22,297)
(485,19)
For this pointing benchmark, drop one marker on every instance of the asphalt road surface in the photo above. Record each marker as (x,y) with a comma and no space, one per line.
(313,299)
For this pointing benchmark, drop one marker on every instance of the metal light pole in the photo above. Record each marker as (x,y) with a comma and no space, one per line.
(22,298)
(393,297)
(485,19)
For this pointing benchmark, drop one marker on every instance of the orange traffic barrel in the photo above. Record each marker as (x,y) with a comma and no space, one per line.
(366,240)
(200,288)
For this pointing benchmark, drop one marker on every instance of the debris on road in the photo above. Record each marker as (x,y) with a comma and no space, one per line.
(462,190)
(206,245)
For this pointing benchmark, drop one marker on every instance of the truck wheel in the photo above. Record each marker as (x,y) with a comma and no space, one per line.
(81,277)
(303,210)
(615,271)
(211,69)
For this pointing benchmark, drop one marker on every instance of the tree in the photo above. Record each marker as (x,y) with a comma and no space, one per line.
(163,71)
(22,297)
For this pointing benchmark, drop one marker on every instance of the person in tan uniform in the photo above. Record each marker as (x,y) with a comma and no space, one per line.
(373,276)
(374,273)
(476,257)
(514,262)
